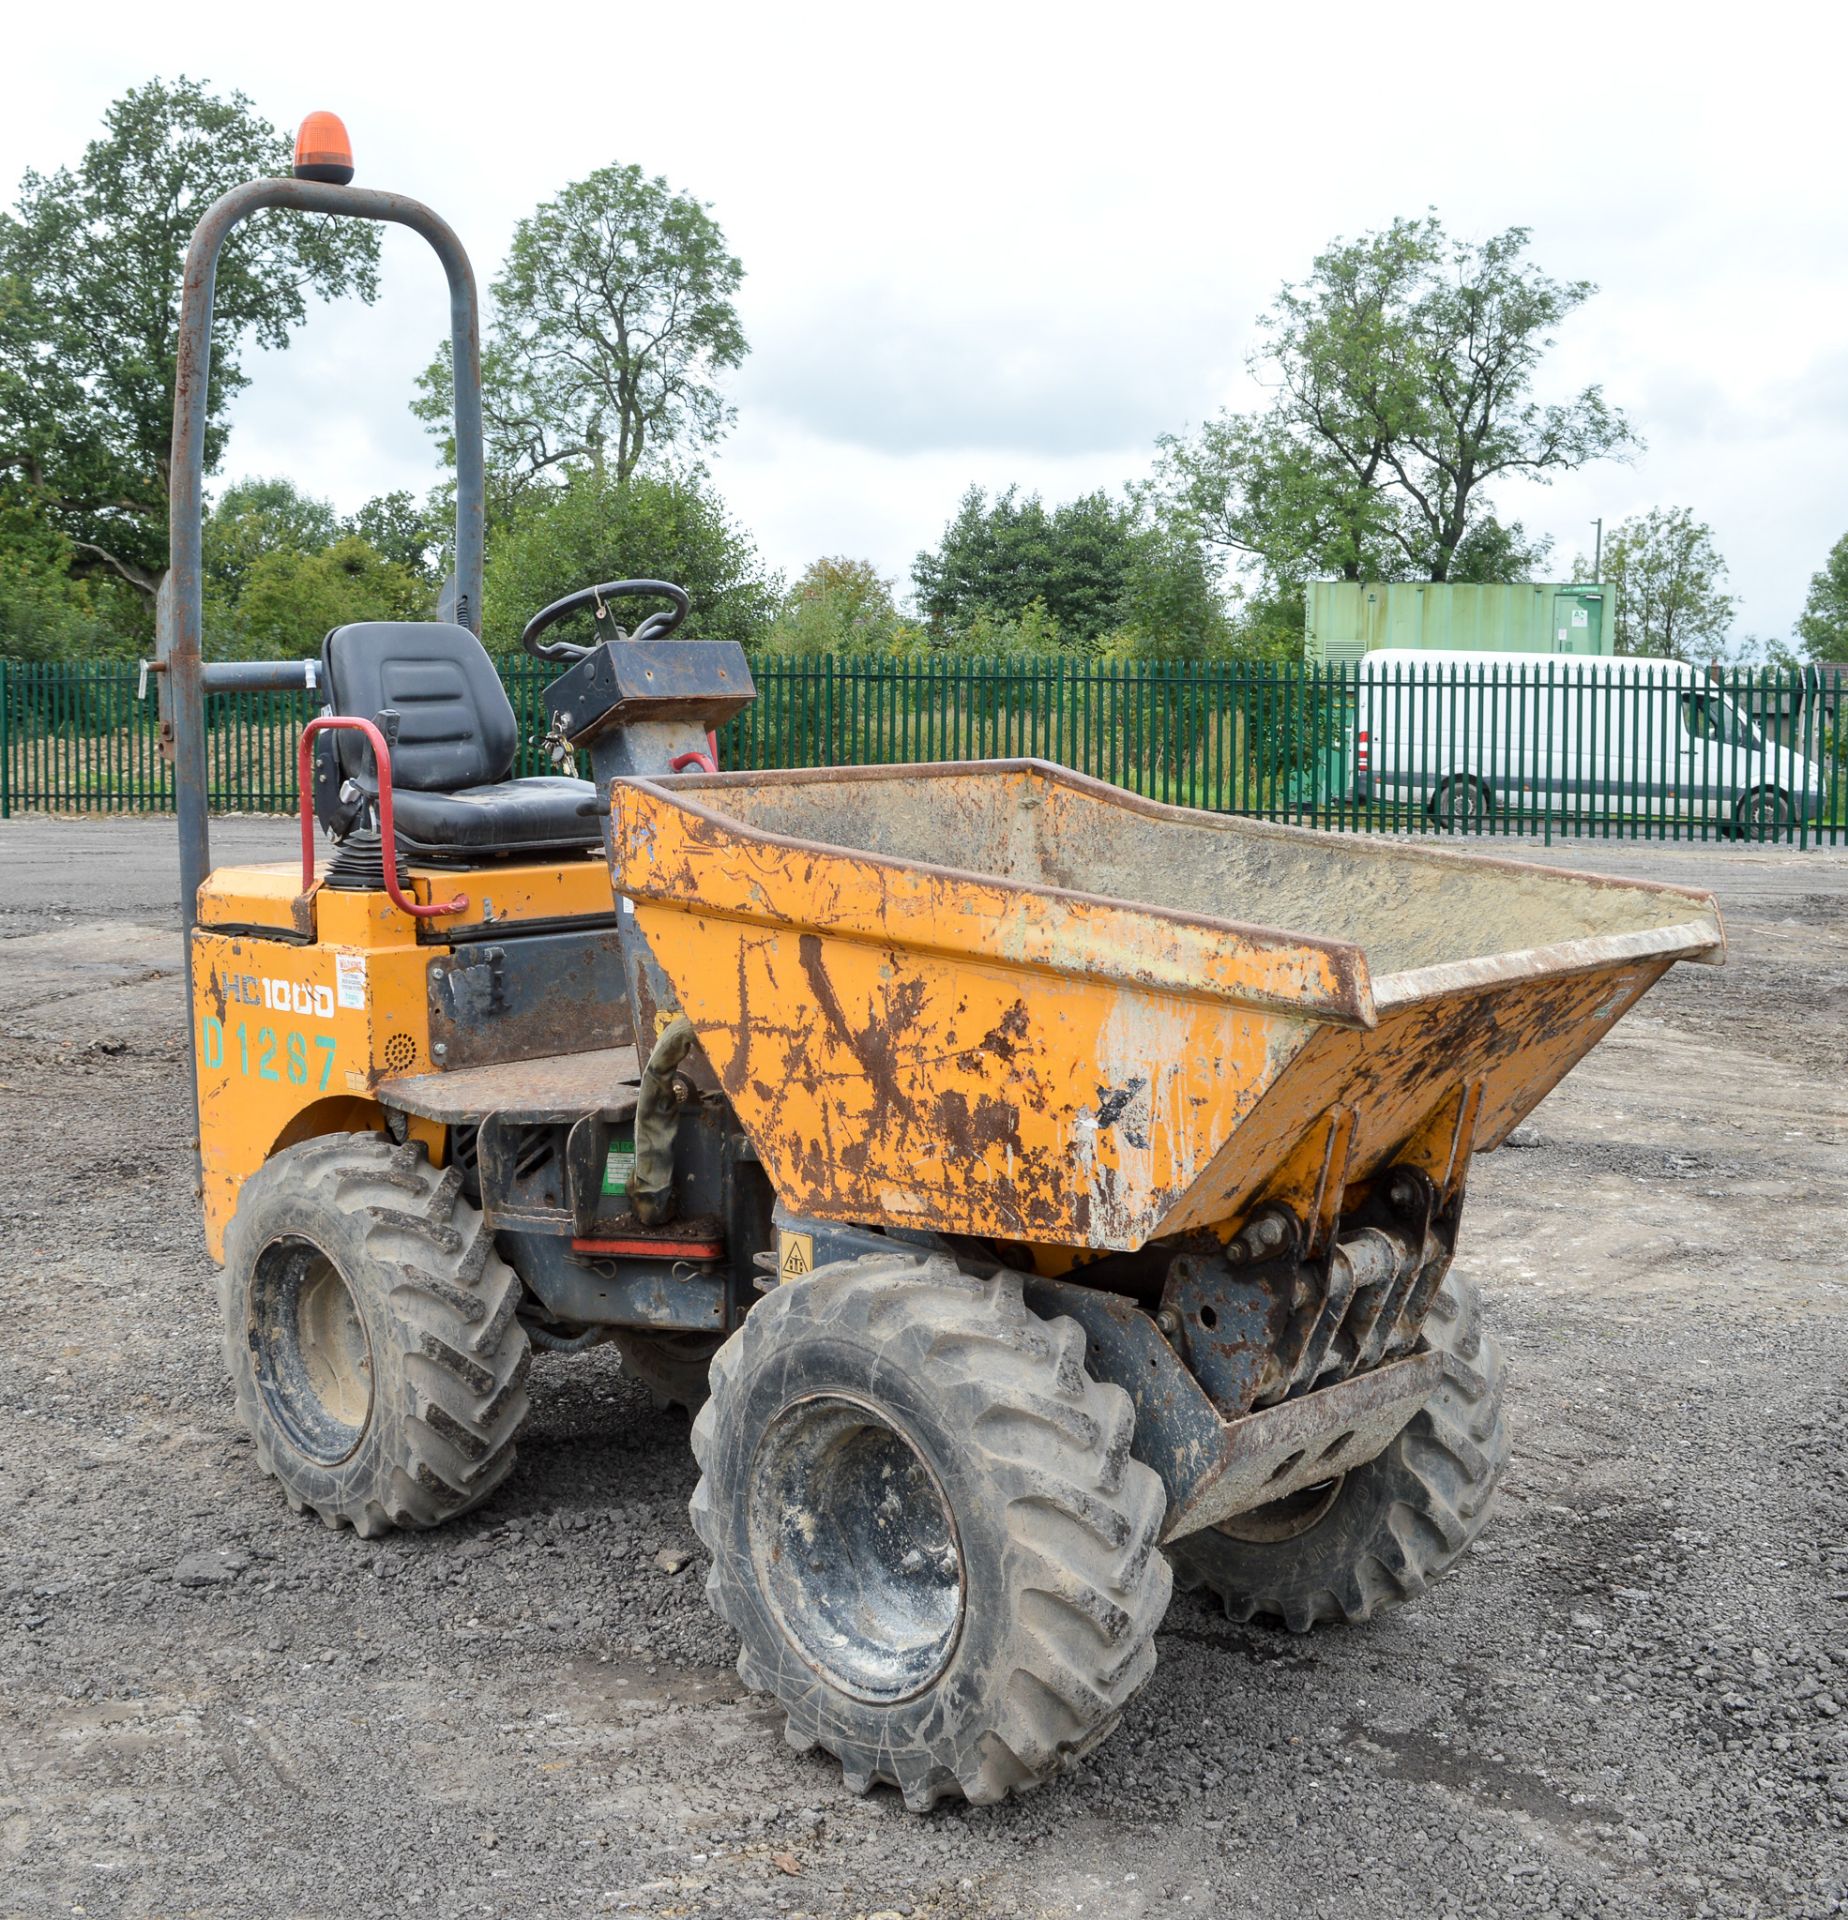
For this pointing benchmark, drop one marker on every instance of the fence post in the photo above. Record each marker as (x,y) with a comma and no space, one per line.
(1791,700)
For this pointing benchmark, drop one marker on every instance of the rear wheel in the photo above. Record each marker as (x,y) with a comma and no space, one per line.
(371,1333)
(926,1528)
(1461,803)
(1382,1532)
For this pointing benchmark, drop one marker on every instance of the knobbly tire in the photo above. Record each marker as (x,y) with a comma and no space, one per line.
(672,1366)
(1382,1533)
(926,1528)
(371,1334)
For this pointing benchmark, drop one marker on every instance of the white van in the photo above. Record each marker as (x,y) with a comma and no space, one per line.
(1466,735)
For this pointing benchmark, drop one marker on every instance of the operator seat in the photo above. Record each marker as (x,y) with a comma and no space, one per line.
(452,801)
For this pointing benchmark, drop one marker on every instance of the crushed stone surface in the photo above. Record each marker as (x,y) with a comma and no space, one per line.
(1630,1700)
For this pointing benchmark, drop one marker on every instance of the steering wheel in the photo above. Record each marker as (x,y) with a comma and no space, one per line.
(656,626)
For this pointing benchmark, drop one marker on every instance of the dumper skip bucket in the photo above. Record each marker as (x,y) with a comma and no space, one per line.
(999,998)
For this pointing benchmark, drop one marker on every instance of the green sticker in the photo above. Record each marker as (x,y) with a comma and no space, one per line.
(619,1167)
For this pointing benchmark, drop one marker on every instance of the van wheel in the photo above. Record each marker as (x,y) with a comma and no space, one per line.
(1461,804)
(1764,815)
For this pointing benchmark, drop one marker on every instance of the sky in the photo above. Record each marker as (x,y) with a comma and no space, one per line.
(1002,244)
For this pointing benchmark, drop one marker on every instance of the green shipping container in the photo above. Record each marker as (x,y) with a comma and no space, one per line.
(1348,618)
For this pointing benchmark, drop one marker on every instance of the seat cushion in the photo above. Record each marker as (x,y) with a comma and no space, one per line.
(455,728)
(513,816)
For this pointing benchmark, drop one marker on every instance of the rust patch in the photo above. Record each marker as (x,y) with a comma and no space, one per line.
(990,1123)
(877,1044)
(1003,1041)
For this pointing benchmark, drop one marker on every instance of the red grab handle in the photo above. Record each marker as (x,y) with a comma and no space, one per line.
(708,761)
(333,722)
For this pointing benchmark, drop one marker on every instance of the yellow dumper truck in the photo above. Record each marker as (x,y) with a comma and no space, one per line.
(1037,1191)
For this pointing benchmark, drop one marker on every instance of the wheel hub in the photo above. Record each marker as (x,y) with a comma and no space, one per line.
(855,1548)
(314,1357)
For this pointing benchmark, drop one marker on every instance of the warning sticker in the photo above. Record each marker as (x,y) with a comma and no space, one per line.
(350,979)
(795,1256)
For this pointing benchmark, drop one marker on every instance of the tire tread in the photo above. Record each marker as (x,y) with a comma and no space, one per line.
(1081,1519)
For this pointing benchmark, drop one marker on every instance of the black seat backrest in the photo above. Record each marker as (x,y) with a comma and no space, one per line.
(456,727)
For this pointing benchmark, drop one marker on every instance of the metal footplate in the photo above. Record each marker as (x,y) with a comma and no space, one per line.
(1301,1443)
(1214,1468)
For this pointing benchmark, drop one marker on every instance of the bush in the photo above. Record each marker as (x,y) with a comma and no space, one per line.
(46,613)
(842,608)
(291,601)
(986,633)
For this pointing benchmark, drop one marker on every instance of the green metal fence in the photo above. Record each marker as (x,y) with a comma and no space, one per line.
(1544,747)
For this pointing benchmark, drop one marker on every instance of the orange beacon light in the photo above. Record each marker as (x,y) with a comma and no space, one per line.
(323,151)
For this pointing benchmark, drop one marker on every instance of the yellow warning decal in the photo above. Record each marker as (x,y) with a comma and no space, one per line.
(795,1256)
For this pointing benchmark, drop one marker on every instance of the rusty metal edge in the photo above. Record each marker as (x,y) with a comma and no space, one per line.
(1690,940)
(1352,1008)
(1368,846)
(462,1096)
(1180,1434)
(1311,1414)
(1303,1421)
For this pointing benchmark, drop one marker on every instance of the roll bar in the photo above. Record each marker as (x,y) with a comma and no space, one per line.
(185,678)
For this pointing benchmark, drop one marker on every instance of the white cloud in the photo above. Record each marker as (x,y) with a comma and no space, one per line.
(919,368)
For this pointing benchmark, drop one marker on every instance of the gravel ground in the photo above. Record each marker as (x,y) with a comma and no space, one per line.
(1631,1699)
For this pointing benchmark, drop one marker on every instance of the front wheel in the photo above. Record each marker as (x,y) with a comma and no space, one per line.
(372,1335)
(672,1366)
(1764,815)
(1381,1533)
(926,1528)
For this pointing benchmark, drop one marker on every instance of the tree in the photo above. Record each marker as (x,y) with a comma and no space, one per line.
(259,516)
(1170,607)
(1277,506)
(1403,373)
(1664,573)
(1493,554)
(405,531)
(1091,566)
(1823,624)
(613,317)
(651,527)
(90,265)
